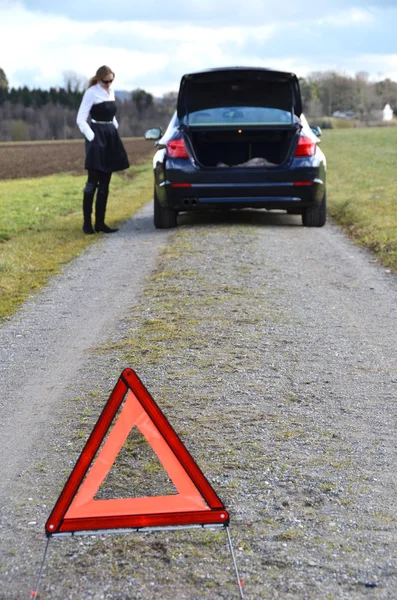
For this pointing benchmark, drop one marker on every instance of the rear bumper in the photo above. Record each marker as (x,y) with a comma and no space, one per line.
(241,195)
(182,186)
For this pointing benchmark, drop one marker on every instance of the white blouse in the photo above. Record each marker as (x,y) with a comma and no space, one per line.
(93,95)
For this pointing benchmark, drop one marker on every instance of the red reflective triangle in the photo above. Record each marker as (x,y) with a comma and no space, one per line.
(76,509)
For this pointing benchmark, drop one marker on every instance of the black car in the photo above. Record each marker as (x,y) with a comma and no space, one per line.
(238,140)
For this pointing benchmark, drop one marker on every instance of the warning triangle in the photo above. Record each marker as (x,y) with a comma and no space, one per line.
(194,503)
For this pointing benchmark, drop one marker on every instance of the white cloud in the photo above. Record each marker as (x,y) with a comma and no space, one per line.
(52,45)
(380,66)
(57,44)
(346,18)
(177,12)
(36,48)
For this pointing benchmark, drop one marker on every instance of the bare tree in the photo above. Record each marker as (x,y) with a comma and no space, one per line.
(73,82)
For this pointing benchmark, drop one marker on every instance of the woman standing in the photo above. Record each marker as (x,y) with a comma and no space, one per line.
(104,149)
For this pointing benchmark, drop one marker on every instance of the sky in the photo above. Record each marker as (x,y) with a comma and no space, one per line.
(150,44)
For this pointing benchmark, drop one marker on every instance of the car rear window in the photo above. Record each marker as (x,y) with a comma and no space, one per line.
(241,115)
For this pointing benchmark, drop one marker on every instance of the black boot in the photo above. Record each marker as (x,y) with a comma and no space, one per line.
(88,200)
(100,210)
(87,210)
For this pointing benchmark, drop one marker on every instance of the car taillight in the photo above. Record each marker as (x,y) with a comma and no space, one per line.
(177,149)
(305,147)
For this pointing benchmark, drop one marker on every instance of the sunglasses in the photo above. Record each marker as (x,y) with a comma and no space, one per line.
(107,81)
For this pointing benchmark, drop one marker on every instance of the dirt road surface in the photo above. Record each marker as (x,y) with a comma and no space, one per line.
(272,350)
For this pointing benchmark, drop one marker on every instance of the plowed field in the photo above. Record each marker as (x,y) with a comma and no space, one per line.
(35,159)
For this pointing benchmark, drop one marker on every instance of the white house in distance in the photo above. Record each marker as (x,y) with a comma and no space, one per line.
(387,113)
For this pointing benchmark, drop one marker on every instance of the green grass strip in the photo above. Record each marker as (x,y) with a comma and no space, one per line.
(362,183)
(41,223)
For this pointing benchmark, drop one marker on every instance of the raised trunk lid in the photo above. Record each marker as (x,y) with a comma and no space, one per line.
(238,87)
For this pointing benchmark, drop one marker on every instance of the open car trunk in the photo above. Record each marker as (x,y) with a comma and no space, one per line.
(240,116)
(222,148)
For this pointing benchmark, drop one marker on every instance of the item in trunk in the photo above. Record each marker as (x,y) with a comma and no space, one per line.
(258,161)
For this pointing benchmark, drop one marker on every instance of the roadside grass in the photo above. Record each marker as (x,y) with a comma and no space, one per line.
(362,184)
(40,226)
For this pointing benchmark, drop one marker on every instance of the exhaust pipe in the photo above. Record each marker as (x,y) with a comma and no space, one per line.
(190,201)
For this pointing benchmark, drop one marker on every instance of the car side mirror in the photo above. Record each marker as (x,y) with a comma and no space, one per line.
(154,134)
(316,130)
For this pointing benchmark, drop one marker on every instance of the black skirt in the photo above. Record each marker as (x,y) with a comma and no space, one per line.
(106,151)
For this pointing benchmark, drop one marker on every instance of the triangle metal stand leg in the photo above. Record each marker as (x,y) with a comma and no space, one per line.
(34,592)
(239,582)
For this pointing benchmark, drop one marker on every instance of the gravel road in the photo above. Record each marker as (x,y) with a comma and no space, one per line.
(271,348)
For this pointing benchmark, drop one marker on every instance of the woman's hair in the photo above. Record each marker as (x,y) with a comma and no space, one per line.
(100,74)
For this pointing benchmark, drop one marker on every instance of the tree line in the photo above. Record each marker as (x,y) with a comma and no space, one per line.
(327,93)
(35,114)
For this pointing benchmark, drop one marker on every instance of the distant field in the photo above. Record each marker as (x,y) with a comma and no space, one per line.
(362,184)
(36,159)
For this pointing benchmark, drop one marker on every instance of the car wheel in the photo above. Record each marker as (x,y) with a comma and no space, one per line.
(164,217)
(315,216)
